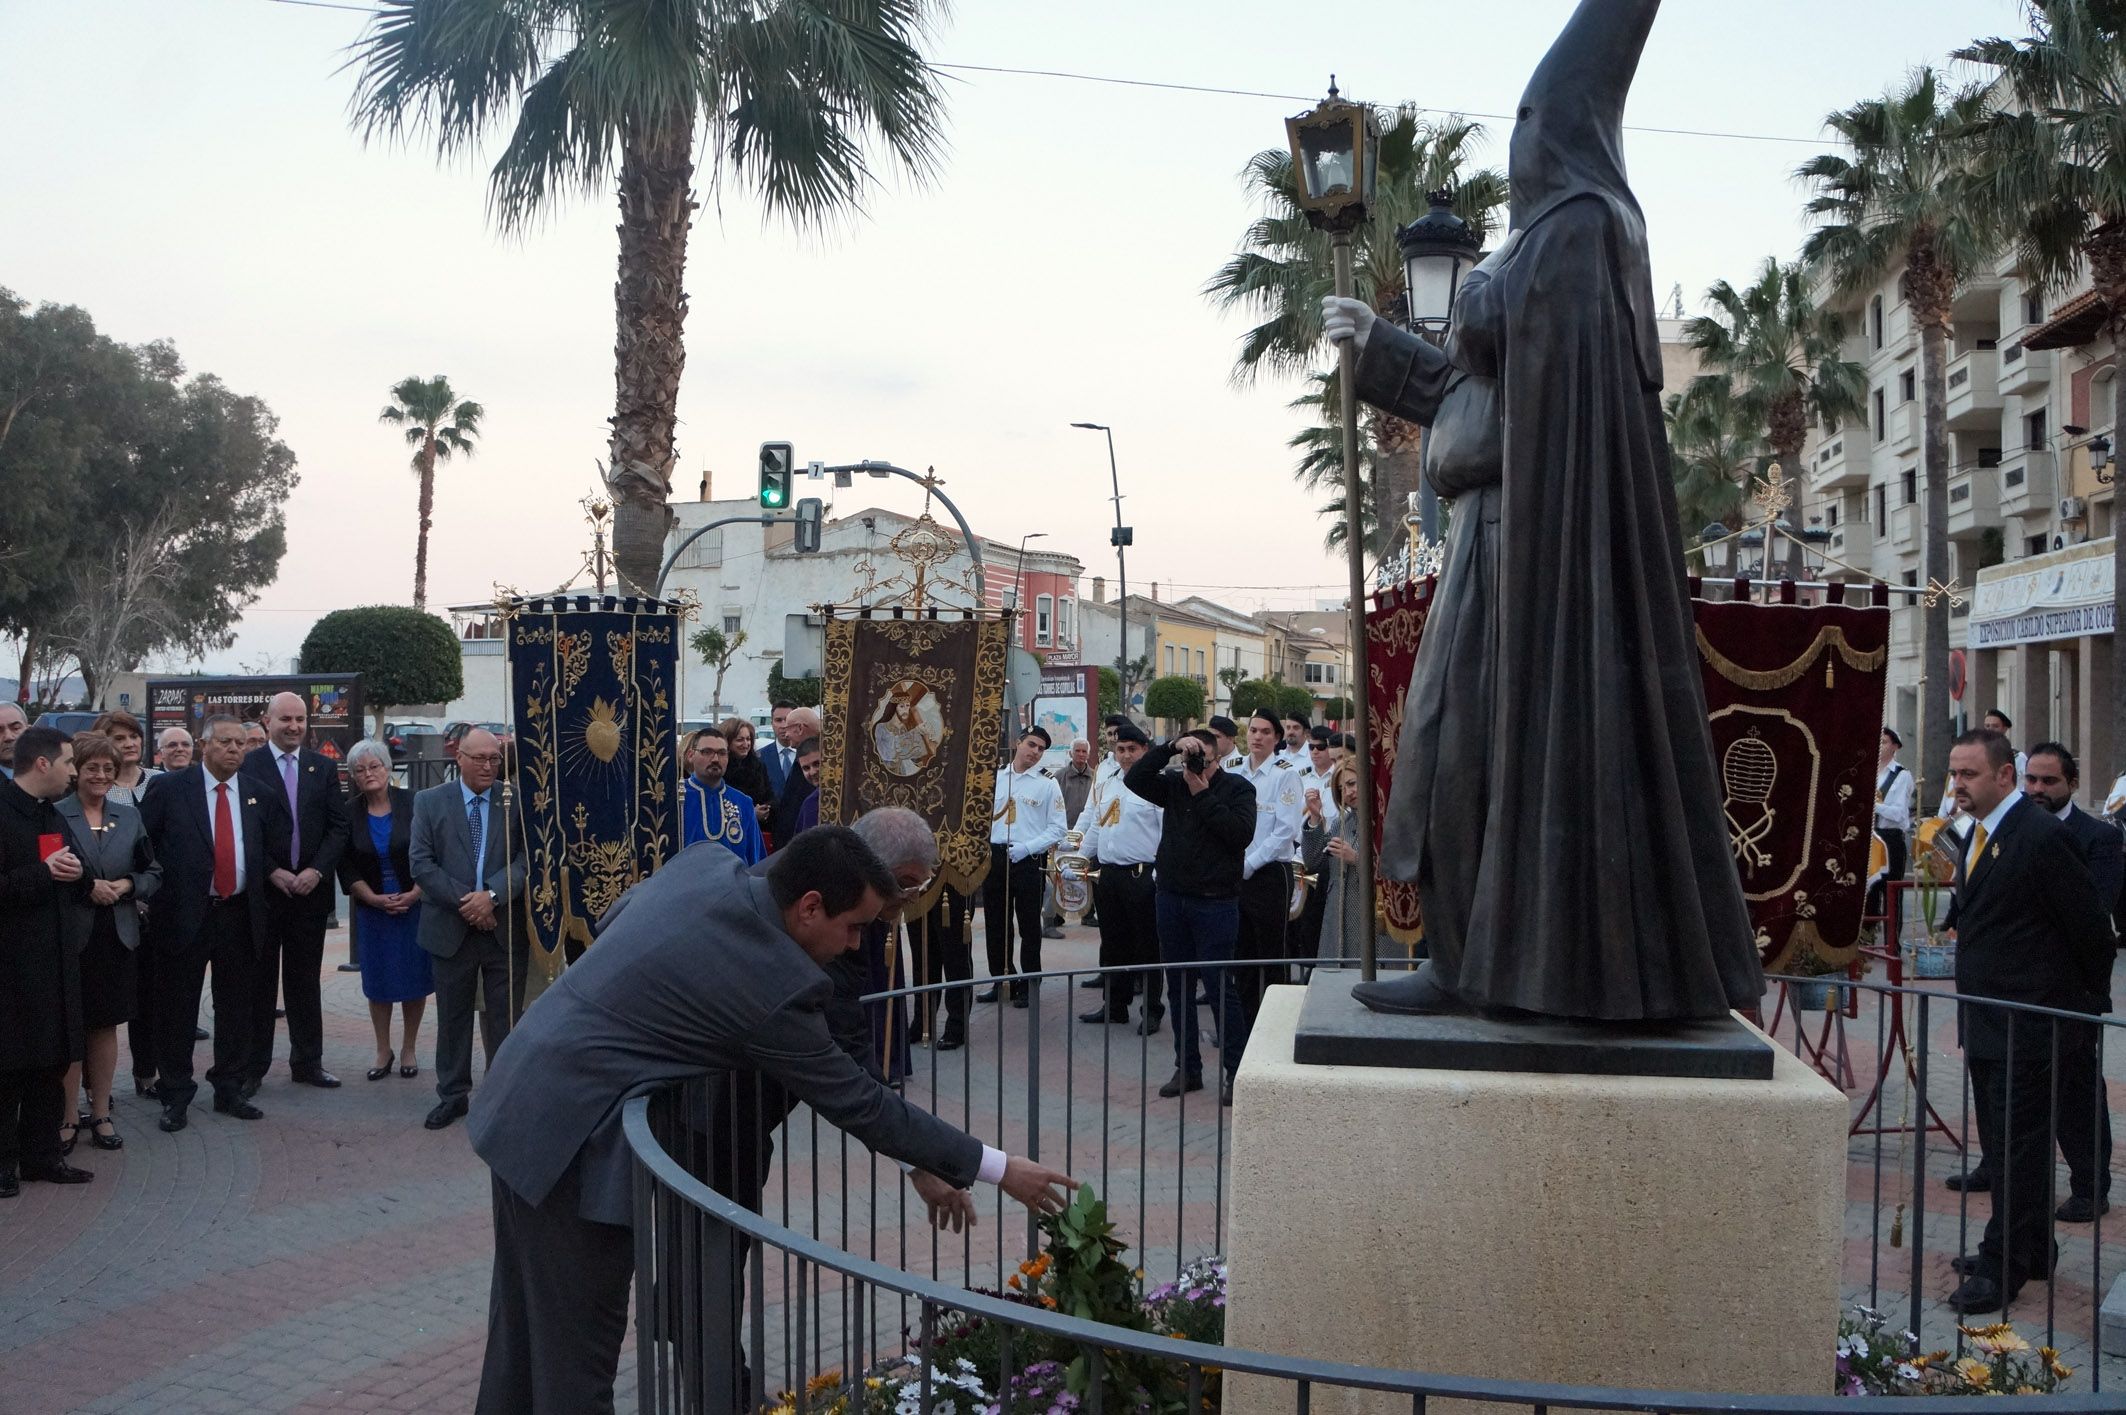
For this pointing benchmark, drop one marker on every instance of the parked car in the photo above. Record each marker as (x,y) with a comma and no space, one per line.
(68,722)
(400,734)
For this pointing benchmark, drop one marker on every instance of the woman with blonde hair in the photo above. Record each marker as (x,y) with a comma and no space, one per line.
(1332,857)
(131,740)
(103,926)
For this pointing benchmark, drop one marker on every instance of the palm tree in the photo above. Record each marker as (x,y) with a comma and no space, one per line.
(1713,446)
(437,424)
(790,95)
(1902,196)
(1780,350)
(1284,268)
(2056,174)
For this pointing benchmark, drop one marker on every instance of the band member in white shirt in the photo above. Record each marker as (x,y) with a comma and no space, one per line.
(1027,818)
(1266,872)
(1122,839)
(1893,802)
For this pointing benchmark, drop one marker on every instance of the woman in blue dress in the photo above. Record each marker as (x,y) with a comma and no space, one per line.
(378,877)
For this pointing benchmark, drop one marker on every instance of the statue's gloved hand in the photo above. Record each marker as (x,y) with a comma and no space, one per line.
(1343,319)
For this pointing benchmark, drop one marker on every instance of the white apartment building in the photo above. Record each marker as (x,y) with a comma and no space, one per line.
(2029,521)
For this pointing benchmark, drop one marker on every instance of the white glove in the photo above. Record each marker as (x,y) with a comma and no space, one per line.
(1343,319)
(1018,853)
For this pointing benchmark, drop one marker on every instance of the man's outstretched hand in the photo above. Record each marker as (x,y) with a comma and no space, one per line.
(1035,1185)
(951,1208)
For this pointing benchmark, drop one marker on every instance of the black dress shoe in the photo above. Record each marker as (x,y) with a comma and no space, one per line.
(1093,982)
(1178,1083)
(1979,1293)
(988,994)
(1225,1092)
(199,1034)
(444,1113)
(1018,998)
(1150,1025)
(1101,1014)
(1971,1181)
(58,1172)
(147,1088)
(238,1107)
(1052,931)
(953,1039)
(322,1079)
(247,1090)
(173,1119)
(2081,1209)
(10,1186)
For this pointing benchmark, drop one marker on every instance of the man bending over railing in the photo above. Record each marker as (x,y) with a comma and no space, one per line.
(702,968)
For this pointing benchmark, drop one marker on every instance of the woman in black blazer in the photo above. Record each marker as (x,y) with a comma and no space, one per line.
(378,876)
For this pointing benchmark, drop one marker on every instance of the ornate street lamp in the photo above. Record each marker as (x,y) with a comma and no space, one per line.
(1718,550)
(1439,248)
(1335,149)
(2100,458)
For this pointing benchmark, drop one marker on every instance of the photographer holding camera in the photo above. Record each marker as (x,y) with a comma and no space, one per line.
(1210,820)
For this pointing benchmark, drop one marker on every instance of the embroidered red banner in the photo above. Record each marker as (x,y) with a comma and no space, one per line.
(1394,624)
(1794,694)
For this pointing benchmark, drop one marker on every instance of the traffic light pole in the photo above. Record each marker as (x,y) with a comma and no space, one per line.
(929,484)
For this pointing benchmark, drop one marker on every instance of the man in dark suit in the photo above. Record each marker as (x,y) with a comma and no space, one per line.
(209,835)
(2050,777)
(705,968)
(40,980)
(469,862)
(304,810)
(2029,930)
(779,756)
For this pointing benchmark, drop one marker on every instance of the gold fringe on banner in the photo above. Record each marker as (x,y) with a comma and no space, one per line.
(1769,680)
(1803,942)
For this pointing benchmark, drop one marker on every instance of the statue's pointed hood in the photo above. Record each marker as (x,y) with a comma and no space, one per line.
(1568,140)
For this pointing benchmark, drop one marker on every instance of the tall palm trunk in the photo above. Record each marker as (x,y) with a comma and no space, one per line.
(1931,290)
(649,350)
(428,509)
(1399,455)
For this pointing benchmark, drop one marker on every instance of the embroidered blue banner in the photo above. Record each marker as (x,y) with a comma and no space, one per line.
(593,686)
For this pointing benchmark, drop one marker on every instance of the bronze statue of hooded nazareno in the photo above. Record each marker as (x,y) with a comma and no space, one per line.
(1555,797)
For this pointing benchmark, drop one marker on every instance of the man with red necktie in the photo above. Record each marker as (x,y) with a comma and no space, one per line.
(208,835)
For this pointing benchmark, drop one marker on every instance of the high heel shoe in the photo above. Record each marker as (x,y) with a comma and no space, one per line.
(101,1141)
(412,1068)
(73,1135)
(378,1073)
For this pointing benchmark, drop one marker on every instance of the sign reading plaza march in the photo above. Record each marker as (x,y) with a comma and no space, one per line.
(592,687)
(912,705)
(2066,594)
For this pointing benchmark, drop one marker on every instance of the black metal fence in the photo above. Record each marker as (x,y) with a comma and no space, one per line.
(763,1269)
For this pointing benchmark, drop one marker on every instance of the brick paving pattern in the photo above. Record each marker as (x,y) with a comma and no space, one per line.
(334,1256)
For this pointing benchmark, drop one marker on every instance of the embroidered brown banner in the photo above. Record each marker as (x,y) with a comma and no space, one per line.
(913,706)
(1795,697)
(1394,624)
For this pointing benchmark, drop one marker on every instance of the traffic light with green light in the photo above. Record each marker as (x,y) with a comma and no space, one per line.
(776,462)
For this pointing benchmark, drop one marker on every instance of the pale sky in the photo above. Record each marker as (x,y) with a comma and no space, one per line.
(183,169)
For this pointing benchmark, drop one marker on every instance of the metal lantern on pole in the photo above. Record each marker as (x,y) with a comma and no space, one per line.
(1439,248)
(1335,152)
(1718,550)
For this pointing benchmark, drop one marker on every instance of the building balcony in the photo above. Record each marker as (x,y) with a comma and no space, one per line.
(1905,423)
(1842,461)
(1974,390)
(1974,502)
(1904,529)
(2025,370)
(2030,484)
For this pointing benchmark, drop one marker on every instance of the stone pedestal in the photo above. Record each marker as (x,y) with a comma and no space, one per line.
(1643,1231)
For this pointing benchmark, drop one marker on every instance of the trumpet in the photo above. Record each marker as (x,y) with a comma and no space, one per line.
(1301,883)
(1071,874)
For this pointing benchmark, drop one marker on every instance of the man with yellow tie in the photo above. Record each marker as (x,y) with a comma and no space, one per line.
(2029,930)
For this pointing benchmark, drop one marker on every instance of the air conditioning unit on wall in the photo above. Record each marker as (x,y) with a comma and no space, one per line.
(2073,508)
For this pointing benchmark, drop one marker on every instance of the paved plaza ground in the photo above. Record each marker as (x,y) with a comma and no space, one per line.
(334,1256)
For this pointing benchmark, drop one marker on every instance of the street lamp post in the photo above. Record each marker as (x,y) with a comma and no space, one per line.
(1438,249)
(1335,146)
(1121,536)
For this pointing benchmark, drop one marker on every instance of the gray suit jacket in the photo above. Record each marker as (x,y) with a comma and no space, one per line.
(692,975)
(441,852)
(120,852)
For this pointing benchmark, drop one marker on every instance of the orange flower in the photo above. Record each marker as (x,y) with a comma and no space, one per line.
(1012,1282)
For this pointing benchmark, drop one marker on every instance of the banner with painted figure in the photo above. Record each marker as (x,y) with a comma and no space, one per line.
(593,686)
(1395,623)
(912,704)
(1795,697)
